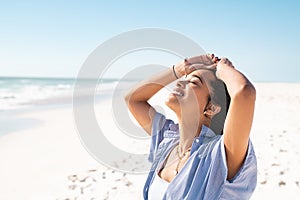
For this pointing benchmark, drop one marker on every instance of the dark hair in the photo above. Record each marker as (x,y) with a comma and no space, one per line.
(219,96)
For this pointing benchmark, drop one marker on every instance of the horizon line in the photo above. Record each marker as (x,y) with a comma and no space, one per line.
(112,78)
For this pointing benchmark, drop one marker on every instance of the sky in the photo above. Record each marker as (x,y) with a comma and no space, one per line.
(54,38)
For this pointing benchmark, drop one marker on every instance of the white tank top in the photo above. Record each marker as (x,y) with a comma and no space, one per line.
(157,188)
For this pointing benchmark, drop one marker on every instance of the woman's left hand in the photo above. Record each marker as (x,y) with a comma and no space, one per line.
(207,61)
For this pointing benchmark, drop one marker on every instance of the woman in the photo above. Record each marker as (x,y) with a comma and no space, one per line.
(189,159)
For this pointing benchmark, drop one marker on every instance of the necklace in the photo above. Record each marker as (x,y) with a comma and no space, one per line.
(180,156)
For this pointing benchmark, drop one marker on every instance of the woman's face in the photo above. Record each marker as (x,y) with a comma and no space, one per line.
(191,94)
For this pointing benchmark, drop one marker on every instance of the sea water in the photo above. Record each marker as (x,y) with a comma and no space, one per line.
(27,92)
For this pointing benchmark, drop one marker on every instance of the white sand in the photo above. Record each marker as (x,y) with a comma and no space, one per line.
(49,162)
(276,137)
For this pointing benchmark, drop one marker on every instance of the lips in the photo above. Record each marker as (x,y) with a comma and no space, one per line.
(178,92)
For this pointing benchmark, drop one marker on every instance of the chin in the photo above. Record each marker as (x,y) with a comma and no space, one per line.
(172,103)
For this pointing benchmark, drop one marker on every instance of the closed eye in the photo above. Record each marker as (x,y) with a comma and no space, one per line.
(198,78)
(195,81)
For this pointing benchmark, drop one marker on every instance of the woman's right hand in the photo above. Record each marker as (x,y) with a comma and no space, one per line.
(189,65)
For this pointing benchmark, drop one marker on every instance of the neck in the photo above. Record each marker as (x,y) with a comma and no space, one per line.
(189,129)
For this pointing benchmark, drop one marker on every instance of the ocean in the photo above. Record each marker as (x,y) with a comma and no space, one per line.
(26,92)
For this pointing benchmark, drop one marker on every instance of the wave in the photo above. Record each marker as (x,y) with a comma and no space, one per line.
(17,93)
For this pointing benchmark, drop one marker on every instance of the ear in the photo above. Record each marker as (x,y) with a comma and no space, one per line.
(211,110)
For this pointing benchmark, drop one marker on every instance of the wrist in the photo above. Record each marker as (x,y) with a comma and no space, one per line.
(179,69)
(174,72)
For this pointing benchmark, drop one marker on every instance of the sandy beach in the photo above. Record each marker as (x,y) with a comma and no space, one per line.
(48,161)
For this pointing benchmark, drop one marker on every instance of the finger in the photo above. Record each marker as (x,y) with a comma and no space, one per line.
(212,66)
(216,59)
(223,60)
(201,66)
(186,62)
(211,56)
(226,61)
(197,66)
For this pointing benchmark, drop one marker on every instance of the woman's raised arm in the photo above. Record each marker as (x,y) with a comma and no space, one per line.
(240,114)
(137,98)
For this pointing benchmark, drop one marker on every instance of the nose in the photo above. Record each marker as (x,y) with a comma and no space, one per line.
(181,83)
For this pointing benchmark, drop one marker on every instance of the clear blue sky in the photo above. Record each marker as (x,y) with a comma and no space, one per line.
(39,38)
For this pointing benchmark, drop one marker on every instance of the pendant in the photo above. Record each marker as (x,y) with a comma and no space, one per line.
(175,172)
